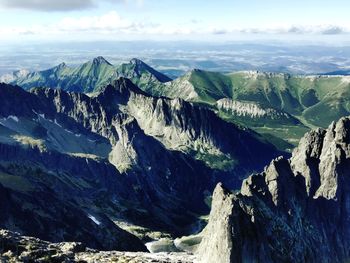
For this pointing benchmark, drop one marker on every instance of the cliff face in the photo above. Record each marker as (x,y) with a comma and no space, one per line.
(176,124)
(297,210)
(255,113)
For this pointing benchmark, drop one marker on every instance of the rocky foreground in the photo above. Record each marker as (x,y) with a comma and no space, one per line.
(17,248)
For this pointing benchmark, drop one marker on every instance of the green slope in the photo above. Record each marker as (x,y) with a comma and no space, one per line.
(91,76)
(84,78)
(301,96)
(309,101)
(142,75)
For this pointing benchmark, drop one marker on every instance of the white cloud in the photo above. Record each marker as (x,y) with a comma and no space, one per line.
(291,30)
(112,25)
(60,5)
(111,21)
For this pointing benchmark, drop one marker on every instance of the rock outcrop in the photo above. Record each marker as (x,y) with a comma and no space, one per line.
(254,112)
(297,210)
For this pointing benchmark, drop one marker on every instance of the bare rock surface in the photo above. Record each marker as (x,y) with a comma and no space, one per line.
(297,210)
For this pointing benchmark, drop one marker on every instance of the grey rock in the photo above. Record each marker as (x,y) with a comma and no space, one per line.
(297,210)
(17,248)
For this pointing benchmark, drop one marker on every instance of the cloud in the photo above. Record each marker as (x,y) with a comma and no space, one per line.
(110,22)
(291,30)
(59,5)
(333,30)
(218,31)
(112,26)
(48,5)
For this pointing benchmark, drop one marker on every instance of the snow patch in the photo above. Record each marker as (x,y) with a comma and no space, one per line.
(94,219)
(68,131)
(40,115)
(15,118)
(55,121)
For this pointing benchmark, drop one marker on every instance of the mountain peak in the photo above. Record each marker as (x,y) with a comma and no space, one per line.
(140,66)
(194,71)
(100,60)
(61,65)
(136,61)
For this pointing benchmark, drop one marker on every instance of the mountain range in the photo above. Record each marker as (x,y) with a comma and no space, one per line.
(281,107)
(296,210)
(120,155)
(127,160)
(89,77)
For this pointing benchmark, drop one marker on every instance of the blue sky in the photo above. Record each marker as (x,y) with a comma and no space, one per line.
(218,20)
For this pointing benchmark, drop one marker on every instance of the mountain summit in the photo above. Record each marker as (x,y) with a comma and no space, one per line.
(142,74)
(100,60)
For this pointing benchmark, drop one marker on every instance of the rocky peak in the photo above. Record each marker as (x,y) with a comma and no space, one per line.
(100,60)
(322,158)
(218,248)
(119,91)
(140,66)
(61,66)
(297,210)
(136,61)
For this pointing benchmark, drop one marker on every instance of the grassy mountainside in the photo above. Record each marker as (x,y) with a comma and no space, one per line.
(84,78)
(280,106)
(89,77)
(300,96)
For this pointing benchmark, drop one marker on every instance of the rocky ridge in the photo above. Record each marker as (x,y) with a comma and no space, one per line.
(254,112)
(120,155)
(297,210)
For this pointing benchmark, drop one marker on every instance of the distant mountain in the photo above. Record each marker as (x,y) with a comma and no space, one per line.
(288,105)
(88,77)
(140,73)
(120,155)
(338,73)
(81,79)
(301,96)
(281,107)
(297,210)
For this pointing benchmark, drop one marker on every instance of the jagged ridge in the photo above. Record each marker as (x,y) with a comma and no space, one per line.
(297,210)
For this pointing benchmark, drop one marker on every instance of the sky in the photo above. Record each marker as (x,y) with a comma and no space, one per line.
(206,20)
